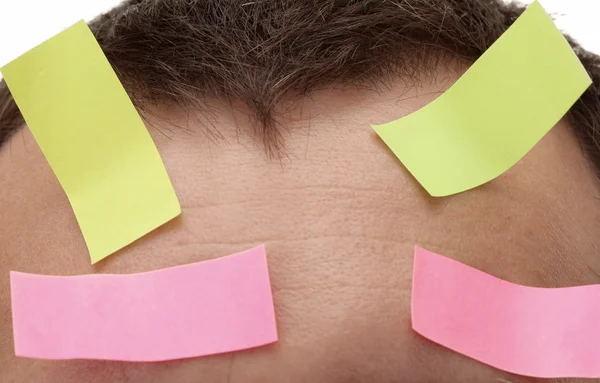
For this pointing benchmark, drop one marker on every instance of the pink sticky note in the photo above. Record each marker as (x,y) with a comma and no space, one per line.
(540,332)
(186,311)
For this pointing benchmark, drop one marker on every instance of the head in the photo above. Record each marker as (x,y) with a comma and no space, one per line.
(261,112)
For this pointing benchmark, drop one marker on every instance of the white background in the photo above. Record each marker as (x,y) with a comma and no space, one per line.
(26,23)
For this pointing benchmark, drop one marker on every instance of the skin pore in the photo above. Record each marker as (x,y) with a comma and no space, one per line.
(339,216)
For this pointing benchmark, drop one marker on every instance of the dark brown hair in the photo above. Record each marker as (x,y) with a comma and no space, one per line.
(177,51)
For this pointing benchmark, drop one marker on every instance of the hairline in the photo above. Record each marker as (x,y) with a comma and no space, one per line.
(117,29)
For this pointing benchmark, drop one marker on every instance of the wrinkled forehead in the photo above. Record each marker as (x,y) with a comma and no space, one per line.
(340,218)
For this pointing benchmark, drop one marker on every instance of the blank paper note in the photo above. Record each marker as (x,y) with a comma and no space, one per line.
(94,140)
(539,332)
(204,308)
(495,113)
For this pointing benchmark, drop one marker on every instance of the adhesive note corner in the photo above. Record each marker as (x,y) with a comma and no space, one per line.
(495,113)
(94,140)
(538,332)
(199,309)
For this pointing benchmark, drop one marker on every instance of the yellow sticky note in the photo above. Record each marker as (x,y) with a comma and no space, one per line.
(495,113)
(94,140)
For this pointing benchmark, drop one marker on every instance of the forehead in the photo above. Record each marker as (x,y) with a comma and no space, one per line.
(339,216)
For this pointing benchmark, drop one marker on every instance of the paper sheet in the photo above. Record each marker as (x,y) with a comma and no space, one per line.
(539,332)
(94,140)
(495,113)
(203,308)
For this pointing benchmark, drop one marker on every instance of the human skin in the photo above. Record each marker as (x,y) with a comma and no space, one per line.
(339,216)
